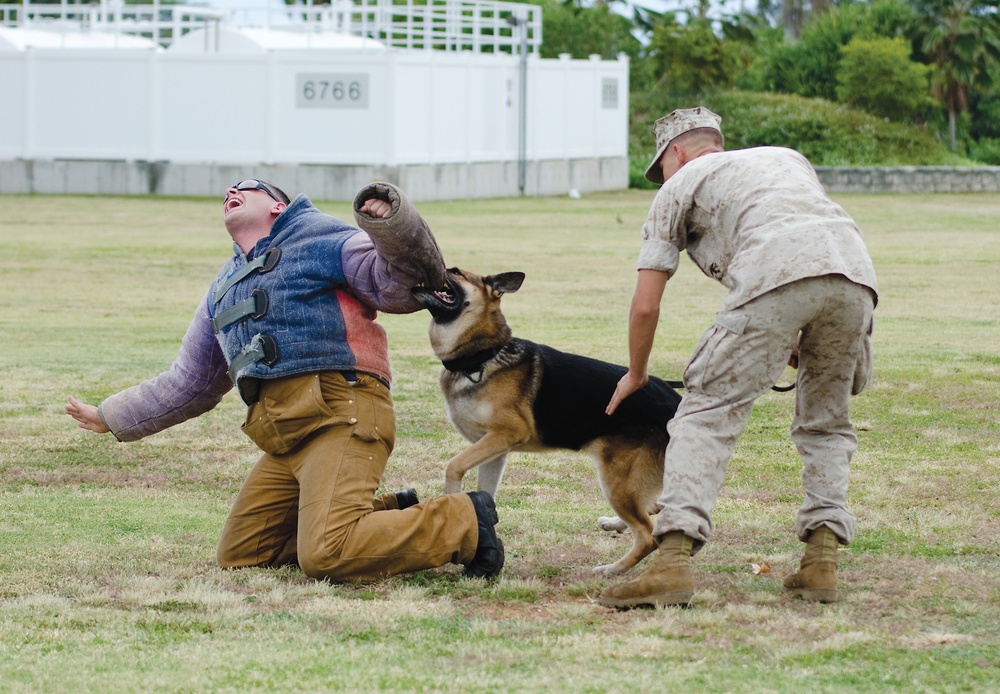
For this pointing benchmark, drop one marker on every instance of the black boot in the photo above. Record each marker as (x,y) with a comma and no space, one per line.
(406,498)
(489,552)
(395,501)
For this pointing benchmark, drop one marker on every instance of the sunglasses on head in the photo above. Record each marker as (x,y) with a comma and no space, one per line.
(254,184)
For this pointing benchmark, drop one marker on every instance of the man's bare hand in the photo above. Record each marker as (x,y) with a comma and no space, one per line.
(379,209)
(86,416)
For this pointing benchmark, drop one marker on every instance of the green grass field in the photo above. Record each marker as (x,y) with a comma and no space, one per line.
(107,575)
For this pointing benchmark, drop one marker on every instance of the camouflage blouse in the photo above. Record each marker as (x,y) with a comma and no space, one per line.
(754,219)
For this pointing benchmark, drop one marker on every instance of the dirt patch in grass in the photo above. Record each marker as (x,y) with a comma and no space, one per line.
(100,477)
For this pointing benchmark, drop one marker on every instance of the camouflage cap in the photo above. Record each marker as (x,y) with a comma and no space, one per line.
(677,123)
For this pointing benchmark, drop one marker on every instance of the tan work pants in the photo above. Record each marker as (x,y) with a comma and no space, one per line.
(310,499)
(738,359)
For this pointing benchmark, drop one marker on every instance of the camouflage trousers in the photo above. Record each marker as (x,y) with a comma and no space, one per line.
(736,361)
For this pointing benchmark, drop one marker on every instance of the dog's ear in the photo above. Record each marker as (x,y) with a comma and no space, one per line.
(505,282)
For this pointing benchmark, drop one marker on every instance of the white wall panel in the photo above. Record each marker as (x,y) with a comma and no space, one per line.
(546,95)
(610,135)
(581,90)
(214,108)
(13,105)
(345,118)
(411,111)
(418,107)
(493,125)
(89,103)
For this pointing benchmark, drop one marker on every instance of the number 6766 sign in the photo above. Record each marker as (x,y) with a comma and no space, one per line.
(331,90)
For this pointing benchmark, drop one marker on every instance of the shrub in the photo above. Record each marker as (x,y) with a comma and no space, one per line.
(987,151)
(691,57)
(808,67)
(828,134)
(878,76)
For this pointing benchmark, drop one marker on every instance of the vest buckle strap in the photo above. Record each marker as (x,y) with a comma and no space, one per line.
(270,348)
(271,257)
(262,348)
(263,263)
(255,307)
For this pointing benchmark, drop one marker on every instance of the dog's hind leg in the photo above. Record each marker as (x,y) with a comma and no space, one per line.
(642,542)
(491,474)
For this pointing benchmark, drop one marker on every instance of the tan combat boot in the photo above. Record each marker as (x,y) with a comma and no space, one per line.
(816,578)
(667,581)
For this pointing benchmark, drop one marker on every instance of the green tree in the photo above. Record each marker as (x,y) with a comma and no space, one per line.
(570,26)
(808,67)
(690,58)
(888,19)
(878,76)
(984,109)
(961,41)
(581,30)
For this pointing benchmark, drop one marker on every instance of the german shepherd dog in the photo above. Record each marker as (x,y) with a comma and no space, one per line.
(507,394)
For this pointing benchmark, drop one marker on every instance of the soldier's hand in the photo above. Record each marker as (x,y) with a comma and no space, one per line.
(627,384)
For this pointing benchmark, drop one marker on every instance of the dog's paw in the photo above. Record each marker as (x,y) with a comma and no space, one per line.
(611,524)
(608,570)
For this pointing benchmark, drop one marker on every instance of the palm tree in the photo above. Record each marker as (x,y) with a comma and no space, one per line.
(961,40)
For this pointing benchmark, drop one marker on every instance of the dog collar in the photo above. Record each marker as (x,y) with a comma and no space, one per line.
(472,364)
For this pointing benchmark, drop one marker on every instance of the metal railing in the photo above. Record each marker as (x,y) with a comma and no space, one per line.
(479,26)
(160,23)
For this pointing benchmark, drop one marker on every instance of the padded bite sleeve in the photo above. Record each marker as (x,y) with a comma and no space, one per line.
(403,238)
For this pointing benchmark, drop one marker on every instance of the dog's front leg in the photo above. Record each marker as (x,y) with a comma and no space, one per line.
(489,447)
(491,474)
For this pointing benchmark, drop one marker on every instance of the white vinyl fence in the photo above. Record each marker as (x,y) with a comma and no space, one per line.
(291,95)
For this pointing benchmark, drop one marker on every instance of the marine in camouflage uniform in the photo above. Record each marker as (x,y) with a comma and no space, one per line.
(800,281)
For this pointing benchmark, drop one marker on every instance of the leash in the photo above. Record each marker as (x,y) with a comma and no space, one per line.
(776,388)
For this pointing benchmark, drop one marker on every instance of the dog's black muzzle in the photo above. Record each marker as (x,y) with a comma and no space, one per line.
(444,304)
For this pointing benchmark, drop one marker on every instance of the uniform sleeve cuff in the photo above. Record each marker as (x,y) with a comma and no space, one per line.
(657,254)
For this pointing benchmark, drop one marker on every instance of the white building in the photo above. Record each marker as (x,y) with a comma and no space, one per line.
(448,99)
